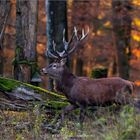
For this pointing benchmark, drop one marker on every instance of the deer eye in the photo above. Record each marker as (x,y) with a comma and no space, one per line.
(54,66)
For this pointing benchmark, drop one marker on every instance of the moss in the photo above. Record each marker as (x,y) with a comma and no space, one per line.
(50,99)
(10,84)
(7,84)
(56,104)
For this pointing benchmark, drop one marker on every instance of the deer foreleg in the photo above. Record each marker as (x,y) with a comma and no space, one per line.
(82,115)
(66,110)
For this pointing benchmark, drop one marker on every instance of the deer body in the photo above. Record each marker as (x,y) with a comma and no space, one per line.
(86,91)
(83,91)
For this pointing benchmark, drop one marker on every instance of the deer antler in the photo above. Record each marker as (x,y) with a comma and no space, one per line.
(67,51)
(54,49)
(78,39)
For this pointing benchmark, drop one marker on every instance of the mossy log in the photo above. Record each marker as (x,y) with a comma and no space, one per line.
(16,95)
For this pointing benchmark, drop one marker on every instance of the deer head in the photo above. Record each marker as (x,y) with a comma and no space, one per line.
(55,69)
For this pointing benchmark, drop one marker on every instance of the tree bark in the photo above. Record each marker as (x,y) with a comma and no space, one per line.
(26,29)
(121,21)
(79,67)
(56,22)
(5,7)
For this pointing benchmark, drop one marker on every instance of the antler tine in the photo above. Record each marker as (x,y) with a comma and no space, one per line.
(51,55)
(59,54)
(66,44)
(64,41)
(66,52)
(76,33)
(84,35)
(54,46)
(73,34)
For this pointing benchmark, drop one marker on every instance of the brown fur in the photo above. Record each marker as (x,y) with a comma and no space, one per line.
(84,91)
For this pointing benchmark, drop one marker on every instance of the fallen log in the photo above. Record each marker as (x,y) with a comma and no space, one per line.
(16,95)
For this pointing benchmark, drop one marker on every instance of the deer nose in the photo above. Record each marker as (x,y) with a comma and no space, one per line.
(43,71)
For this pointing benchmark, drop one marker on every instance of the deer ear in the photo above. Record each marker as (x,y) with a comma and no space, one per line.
(63,61)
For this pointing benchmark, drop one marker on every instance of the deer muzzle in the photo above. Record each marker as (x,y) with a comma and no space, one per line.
(43,71)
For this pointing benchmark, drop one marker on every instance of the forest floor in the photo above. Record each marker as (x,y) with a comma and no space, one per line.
(106,123)
(115,122)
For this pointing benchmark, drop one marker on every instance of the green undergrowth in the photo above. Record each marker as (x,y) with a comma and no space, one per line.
(106,123)
(103,123)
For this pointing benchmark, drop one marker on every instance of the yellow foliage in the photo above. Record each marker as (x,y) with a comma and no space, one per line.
(100,32)
(137,83)
(136,52)
(70,3)
(136,2)
(100,16)
(135,37)
(107,24)
(136,21)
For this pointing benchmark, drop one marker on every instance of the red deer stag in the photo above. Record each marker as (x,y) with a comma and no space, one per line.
(83,91)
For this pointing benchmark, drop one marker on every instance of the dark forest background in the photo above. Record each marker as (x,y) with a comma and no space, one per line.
(112,48)
(113,41)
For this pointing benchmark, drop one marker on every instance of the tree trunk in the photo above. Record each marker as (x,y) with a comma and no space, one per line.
(5,7)
(25,65)
(121,21)
(56,23)
(79,67)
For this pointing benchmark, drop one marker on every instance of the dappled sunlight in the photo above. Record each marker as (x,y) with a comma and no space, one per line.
(100,33)
(111,49)
(136,2)
(101,16)
(44,19)
(41,48)
(136,36)
(107,24)
(137,82)
(136,52)
(136,21)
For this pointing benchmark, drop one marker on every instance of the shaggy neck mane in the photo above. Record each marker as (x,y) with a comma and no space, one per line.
(67,78)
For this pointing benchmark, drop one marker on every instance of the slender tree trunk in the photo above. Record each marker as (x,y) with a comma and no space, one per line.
(5,7)
(56,22)
(79,67)
(122,33)
(26,30)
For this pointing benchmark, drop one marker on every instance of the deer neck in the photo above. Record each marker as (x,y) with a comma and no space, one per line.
(67,79)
